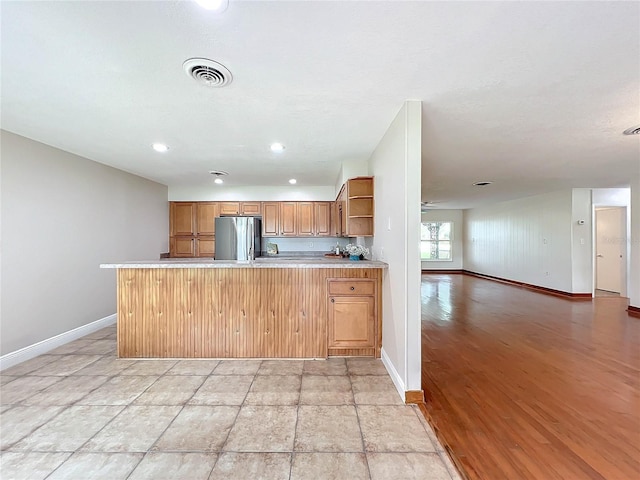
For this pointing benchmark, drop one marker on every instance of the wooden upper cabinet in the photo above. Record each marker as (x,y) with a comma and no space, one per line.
(270,219)
(229,208)
(288,217)
(206,213)
(250,208)
(335,219)
(357,207)
(305,219)
(182,218)
(322,218)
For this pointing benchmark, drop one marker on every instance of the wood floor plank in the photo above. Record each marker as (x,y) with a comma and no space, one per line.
(521,385)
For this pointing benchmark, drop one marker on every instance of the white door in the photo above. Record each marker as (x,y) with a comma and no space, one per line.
(610,240)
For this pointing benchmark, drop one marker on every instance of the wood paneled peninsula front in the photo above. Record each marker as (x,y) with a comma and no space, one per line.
(268,308)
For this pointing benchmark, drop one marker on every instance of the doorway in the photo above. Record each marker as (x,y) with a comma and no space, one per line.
(610,251)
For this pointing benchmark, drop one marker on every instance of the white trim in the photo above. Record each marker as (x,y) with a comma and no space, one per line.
(393,373)
(32,351)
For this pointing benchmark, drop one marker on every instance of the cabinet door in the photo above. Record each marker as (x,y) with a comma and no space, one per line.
(230,208)
(206,246)
(351,322)
(288,215)
(270,219)
(182,218)
(304,219)
(206,213)
(183,247)
(250,208)
(322,218)
(342,207)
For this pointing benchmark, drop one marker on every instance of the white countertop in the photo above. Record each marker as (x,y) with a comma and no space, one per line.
(260,262)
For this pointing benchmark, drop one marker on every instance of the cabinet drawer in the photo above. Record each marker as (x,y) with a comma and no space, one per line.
(351,287)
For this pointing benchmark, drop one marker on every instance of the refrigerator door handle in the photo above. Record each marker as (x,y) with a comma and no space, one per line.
(250,242)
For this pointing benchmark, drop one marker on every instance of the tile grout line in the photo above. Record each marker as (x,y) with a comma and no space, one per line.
(364,451)
(295,429)
(64,407)
(234,420)
(125,407)
(441,453)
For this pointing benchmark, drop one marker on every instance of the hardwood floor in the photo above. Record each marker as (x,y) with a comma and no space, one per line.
(521,385)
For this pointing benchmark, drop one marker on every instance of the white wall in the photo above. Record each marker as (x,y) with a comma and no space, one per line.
(351,169)
(216,193)
(581,241)
(526,240)
(456,217)
(634,245)
(396,166)
(611,197)
(63,215)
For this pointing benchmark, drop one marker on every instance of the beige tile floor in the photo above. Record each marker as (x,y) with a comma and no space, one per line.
(80,413)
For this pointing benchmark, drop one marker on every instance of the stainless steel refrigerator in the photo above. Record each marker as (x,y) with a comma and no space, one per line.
(238,238)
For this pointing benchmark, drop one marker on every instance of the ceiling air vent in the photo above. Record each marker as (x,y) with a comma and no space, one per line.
(632,131)
(207,72)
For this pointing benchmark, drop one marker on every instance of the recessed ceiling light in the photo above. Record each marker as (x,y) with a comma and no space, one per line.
(219,181)
(277,147)
(293,181)
(217,5)
(632,131)
(160,147)
(482,184)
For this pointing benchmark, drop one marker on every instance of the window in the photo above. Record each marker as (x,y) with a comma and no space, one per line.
(435,242)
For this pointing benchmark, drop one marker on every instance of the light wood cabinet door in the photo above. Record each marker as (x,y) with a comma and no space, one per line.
(335,219)
(206,213)
(183,247)
(270,219)
(288,214)
(322,218)
(250,208)
(205,246)
(351,322)
(305,219)
(182,218)
(230,208)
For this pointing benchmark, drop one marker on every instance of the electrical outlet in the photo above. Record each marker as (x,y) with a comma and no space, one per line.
(546,274)
(382,253)
(582,241)
(310,244)
(389,224)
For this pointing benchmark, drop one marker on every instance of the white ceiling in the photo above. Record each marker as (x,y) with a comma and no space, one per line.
(531,95)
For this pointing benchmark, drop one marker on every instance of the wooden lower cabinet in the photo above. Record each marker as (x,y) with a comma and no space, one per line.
(352,323)
(206,246)
(245,312)
(182,247)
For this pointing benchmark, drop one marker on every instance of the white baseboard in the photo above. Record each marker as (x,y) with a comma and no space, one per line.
(27,353)
(393,373)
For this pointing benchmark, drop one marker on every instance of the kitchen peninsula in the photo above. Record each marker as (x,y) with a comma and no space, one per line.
(267,308)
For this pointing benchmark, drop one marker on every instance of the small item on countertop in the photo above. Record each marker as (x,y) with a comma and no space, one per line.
(272,248)
(356,252)
(337,249)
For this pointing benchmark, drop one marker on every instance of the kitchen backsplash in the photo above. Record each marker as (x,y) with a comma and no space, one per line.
(311,244)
